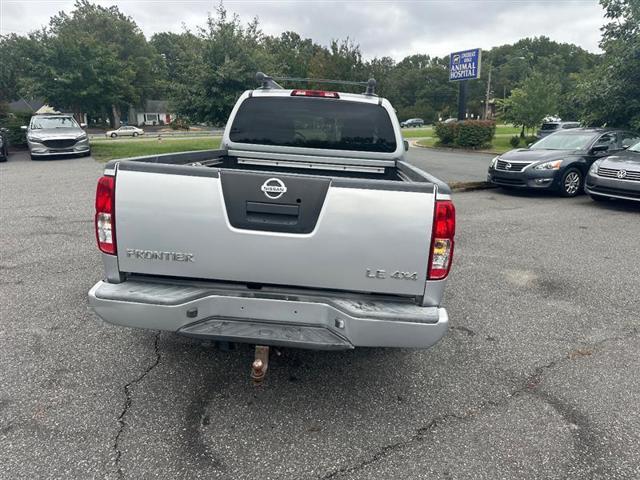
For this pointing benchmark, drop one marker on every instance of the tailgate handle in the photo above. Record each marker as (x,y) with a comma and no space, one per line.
(275,213)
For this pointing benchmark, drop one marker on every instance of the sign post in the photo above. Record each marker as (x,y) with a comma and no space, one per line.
(464,66)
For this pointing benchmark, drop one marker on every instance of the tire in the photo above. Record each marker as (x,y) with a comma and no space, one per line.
(114,135)
(599,198)
(571,183)
(135,134)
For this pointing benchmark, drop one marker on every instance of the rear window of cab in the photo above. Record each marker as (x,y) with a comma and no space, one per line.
(322,123)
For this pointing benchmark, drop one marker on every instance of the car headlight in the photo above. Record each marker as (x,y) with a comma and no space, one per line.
(594,168)
(553,165)
(494,161)
(31,138)
(82,136)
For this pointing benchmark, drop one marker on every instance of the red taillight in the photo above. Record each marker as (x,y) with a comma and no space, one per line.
(444,229)
(105,218)
(314,93)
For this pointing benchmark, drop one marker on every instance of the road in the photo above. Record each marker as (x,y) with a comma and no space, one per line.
(451,166)
(537,378)
(216,132)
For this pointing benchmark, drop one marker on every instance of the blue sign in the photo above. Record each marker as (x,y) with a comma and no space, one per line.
(465,65)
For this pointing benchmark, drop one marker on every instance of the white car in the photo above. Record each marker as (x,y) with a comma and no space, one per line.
(124,131)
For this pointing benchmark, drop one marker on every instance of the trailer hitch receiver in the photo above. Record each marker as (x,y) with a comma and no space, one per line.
(260,364)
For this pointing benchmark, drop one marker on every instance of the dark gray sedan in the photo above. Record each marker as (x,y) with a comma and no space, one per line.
(617,176)
(559,162)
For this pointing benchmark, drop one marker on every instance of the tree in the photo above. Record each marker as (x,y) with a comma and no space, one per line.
(179,53)
(94,60)
(341,61)
(610,93)
(18,54)
(536,98)
(224,64)
(291,54)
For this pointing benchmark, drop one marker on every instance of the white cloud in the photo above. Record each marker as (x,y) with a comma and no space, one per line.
(392,28)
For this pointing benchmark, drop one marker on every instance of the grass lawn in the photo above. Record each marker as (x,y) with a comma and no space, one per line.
(104,150)
(428,131)
(507,130)
(499,145)
(417,132)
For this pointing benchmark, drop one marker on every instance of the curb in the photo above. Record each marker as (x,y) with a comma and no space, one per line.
(470,186)
(461,150)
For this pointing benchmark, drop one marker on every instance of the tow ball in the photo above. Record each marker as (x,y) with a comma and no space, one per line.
(260,364)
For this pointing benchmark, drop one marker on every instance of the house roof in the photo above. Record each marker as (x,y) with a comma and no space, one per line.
(23,105)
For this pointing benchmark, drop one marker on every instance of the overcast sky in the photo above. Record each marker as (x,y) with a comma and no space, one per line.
(381,28)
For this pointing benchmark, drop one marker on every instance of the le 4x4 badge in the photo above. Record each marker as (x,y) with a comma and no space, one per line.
(397,275)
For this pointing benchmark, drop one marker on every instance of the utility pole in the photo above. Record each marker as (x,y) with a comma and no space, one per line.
(462,100)
(486,97)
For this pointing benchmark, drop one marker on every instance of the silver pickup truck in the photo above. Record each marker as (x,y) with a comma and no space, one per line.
(306,229)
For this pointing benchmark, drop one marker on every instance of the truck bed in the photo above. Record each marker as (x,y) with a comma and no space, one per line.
(203,215)
(398,171)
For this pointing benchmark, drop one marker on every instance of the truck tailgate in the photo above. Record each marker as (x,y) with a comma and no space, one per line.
(268,228)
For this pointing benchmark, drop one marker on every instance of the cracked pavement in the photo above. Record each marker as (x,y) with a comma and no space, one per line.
(537,378)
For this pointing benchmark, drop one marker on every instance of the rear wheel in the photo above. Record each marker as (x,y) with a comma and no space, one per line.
(114,135)
(571,183)
(135,134)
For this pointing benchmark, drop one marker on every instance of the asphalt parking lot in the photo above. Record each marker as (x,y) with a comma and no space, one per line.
(451,166)
(537,378)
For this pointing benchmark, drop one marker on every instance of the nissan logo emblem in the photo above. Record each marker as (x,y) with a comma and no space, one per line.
(621,173)
(273,188)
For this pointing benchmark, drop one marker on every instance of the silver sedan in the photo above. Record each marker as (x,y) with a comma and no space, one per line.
(125,131)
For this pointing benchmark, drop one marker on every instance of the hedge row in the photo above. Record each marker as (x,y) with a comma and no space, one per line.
(468,133)
(13,122)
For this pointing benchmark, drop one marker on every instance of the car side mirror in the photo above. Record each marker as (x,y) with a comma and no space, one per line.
(83,125)
(406,145)
(23,127)
(599,148)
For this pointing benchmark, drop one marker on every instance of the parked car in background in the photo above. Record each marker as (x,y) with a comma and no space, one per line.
(558,162)
(412,122)
(56,134)
(125,131)
(552,127)
(616,176)
(4,145)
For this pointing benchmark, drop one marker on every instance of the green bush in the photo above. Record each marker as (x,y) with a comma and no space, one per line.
(446,132)
(468,133)
(475,133)
(12,122)
(515,141)
(180,123)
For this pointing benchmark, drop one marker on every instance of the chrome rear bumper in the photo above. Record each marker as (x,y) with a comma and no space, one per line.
(269,318)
